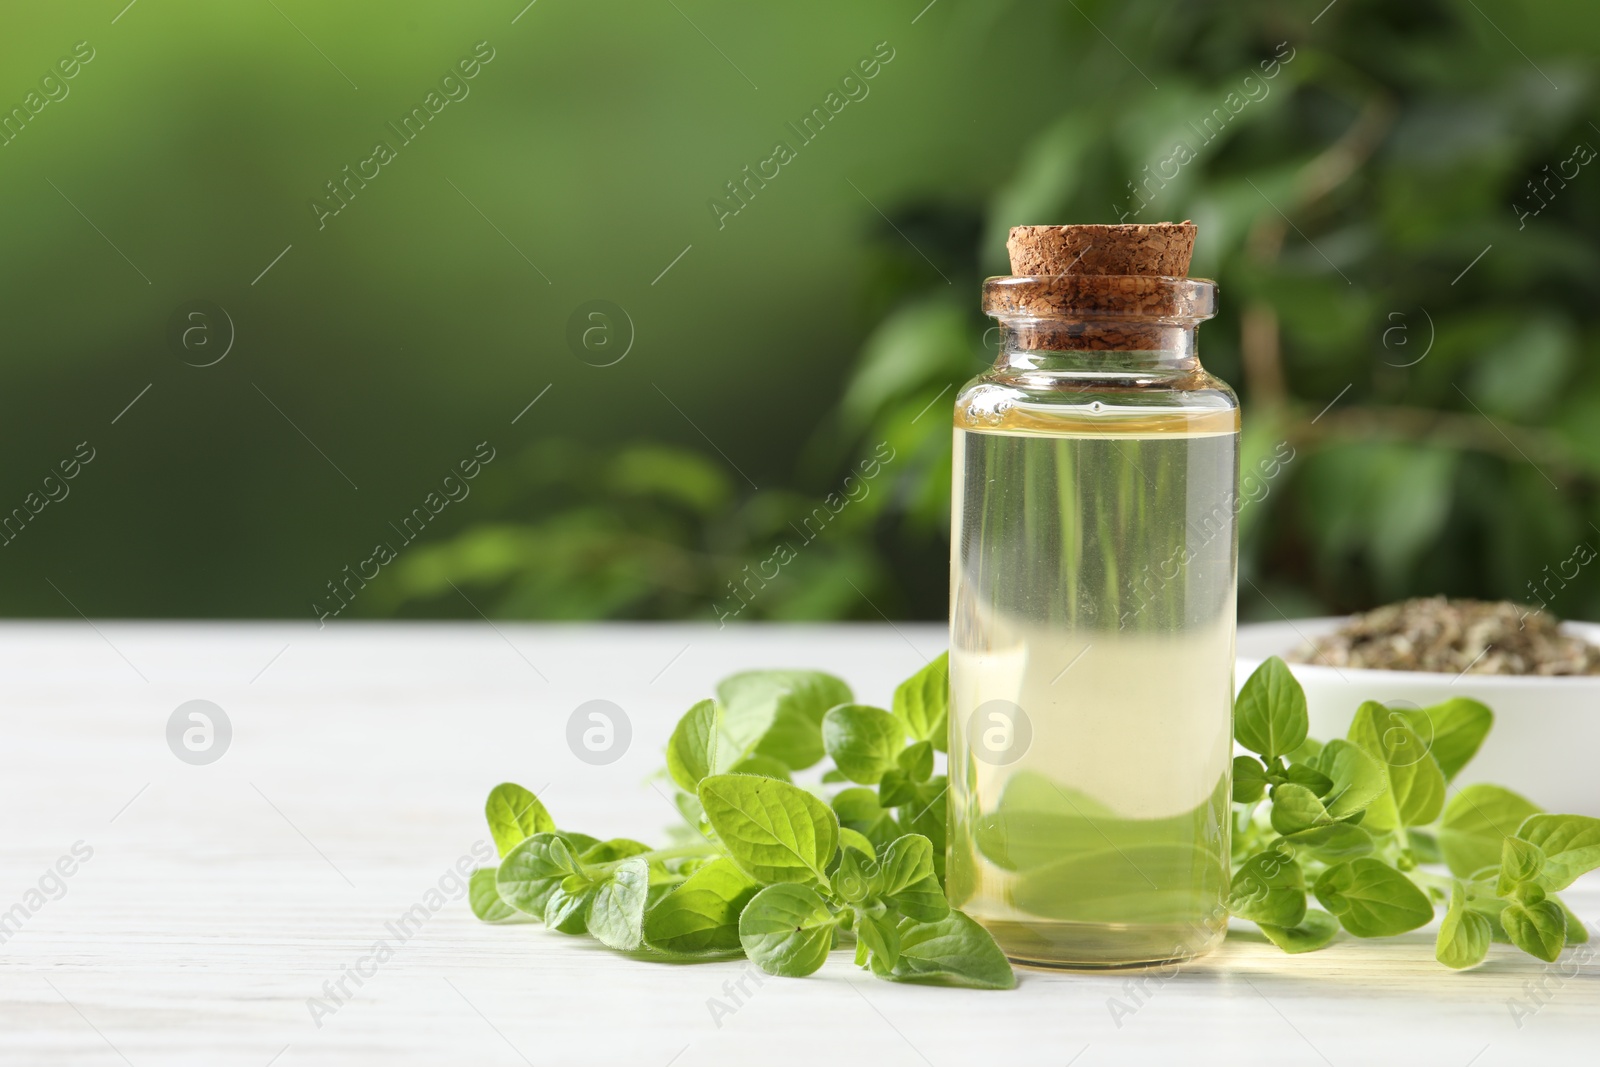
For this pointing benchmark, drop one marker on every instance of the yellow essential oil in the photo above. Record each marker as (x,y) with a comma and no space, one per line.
(1092,632)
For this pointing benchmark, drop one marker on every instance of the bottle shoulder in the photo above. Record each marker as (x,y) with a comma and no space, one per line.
(1193,401)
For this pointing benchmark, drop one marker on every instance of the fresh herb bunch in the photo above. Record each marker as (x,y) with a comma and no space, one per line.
(1355,822)
(765,868)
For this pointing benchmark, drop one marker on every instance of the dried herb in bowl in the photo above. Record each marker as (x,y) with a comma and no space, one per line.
(1454,637)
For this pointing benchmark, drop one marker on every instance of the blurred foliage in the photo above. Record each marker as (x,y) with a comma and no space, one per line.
(1428,351)
(377,350)
(1430,356)
(648,532)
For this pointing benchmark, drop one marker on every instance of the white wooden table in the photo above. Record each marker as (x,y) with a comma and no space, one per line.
(220,898)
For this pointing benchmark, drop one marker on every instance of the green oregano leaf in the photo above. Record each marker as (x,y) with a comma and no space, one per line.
(1490,908)
(1464,934)
(688,805)
(1315,930)
(916,760)
(485,898)
(896,789)
(1305,752)
(765,766)
(952,951)
(1357,778)
(1539,929)
(532,871)
(860,842)
(1416,784)
(701,916)
(1570,843)
(515,814)
(577,843)
(1313,779)
(1372,899)
(907,860)
(922,704)
(863,741)
(1249,780)
(854,877)
(1477,819)
(860,810)
(777,714)
(1269,887)
(692,750)
(1453,731)
(787,930)
(1425,846)
(926,815)
(1527,893)
(879,934)
(1296,808)
(1577,933)
(616,912)
(774,831)
(1520,861)
(908,879)
(567,909)
(1269,718)
(1332,843)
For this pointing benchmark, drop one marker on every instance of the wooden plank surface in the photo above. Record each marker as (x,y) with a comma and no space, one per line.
(218,899)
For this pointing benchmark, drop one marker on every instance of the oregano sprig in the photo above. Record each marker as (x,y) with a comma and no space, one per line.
(1369,828)
(1357,822)
(765,868)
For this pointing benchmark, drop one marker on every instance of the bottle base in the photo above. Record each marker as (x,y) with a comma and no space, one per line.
(1060,946)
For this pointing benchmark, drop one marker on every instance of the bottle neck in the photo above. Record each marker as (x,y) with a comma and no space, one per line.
(1074,347)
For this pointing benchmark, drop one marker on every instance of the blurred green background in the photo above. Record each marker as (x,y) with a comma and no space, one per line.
(1403,220)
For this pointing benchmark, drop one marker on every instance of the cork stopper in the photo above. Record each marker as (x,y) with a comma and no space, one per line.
(1105,288)
(1161,249)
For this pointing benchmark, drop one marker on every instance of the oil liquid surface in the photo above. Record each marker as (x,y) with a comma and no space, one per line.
(1091,664)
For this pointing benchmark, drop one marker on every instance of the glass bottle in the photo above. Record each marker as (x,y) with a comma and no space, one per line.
(1093,574)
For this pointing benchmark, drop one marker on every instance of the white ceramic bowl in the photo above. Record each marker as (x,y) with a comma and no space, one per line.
(1545,743)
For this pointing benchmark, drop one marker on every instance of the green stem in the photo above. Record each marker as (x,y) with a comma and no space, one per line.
(704,848)
(668,879)
(1441,882)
